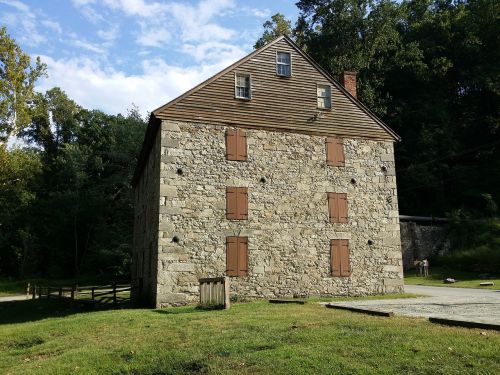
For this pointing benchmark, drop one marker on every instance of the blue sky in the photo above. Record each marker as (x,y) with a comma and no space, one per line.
(108,54)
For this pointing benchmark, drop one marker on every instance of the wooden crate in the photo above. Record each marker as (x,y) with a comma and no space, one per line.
(214,291)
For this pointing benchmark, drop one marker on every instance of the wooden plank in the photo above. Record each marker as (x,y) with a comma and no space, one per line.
(360,310)
(285,301)
(465,323)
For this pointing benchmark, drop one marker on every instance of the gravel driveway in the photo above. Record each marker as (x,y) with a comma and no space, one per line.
(475,305)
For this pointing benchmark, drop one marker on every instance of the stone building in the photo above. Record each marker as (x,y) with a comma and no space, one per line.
(270,172)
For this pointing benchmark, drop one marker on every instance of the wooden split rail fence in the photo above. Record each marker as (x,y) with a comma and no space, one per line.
(102,294)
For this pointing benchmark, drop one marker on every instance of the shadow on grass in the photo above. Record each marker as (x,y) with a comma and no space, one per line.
(186,310)
(22,311)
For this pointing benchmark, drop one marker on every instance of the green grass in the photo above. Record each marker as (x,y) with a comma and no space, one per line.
(250,338)
(463,279)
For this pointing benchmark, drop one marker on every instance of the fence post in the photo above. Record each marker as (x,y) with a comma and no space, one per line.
(114,293)
(34,291)
(93,291)
(48,292)
(28,291)
(73,288)
(60,293)
(227,300)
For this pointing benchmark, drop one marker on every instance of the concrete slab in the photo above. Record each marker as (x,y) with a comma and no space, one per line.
(461,304)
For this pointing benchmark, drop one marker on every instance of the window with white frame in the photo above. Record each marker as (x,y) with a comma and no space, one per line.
(242,86)
(283,64)
(324,97)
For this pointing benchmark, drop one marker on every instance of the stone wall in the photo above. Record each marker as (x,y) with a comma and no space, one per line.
(145,254)
(421,240)
(288,228)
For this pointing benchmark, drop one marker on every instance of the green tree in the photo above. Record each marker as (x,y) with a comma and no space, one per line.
(278,25)
(17,80)
(19,173)
(430,69)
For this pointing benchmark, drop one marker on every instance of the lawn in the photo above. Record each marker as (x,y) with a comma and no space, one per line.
(463,279)
(251,338)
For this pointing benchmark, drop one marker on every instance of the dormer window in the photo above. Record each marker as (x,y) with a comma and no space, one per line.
(242,87)
(283,64)
(324,94)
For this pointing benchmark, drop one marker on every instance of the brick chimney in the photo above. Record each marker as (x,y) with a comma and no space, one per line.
(348,80)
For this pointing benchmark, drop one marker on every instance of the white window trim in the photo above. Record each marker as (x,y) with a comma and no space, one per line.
(330,101)
(249,88)
(277,63)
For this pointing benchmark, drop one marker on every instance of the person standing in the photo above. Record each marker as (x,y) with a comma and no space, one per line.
(425,263)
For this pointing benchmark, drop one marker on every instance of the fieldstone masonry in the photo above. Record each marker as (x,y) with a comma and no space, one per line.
(288,228)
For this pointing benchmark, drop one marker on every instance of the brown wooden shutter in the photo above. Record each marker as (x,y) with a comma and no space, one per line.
(335,257)
(345,266)
(231,144)
(342,207)
(333,207)
(335,152)
(340,263)
(337,207)
(242,256)
(232,256)
(241,145)
(243,203)
(231,203)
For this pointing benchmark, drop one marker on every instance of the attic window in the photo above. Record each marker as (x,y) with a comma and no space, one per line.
(283,64)
(324,94)
(242,88)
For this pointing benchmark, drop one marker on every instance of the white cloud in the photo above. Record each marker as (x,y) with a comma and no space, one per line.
(88,46)
(214,51)
(196,21)
(23,18)
(138,8)
(261,13)
(17,4)
(110,34)
(96,87)
(53,25)
(153,36)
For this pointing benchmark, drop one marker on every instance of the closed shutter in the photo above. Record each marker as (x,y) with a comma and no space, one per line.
(342,207)
(231,145)
(231,203)
(337,207)
(345,265)
(242,256)
(232,256)
(236,145)
(333,207)
(243,203)
(241,145)
(236,256)
(335,152)
(340,263)
(236,203)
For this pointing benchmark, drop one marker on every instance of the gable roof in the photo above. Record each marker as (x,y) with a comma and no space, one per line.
(349,118)
(346,109)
